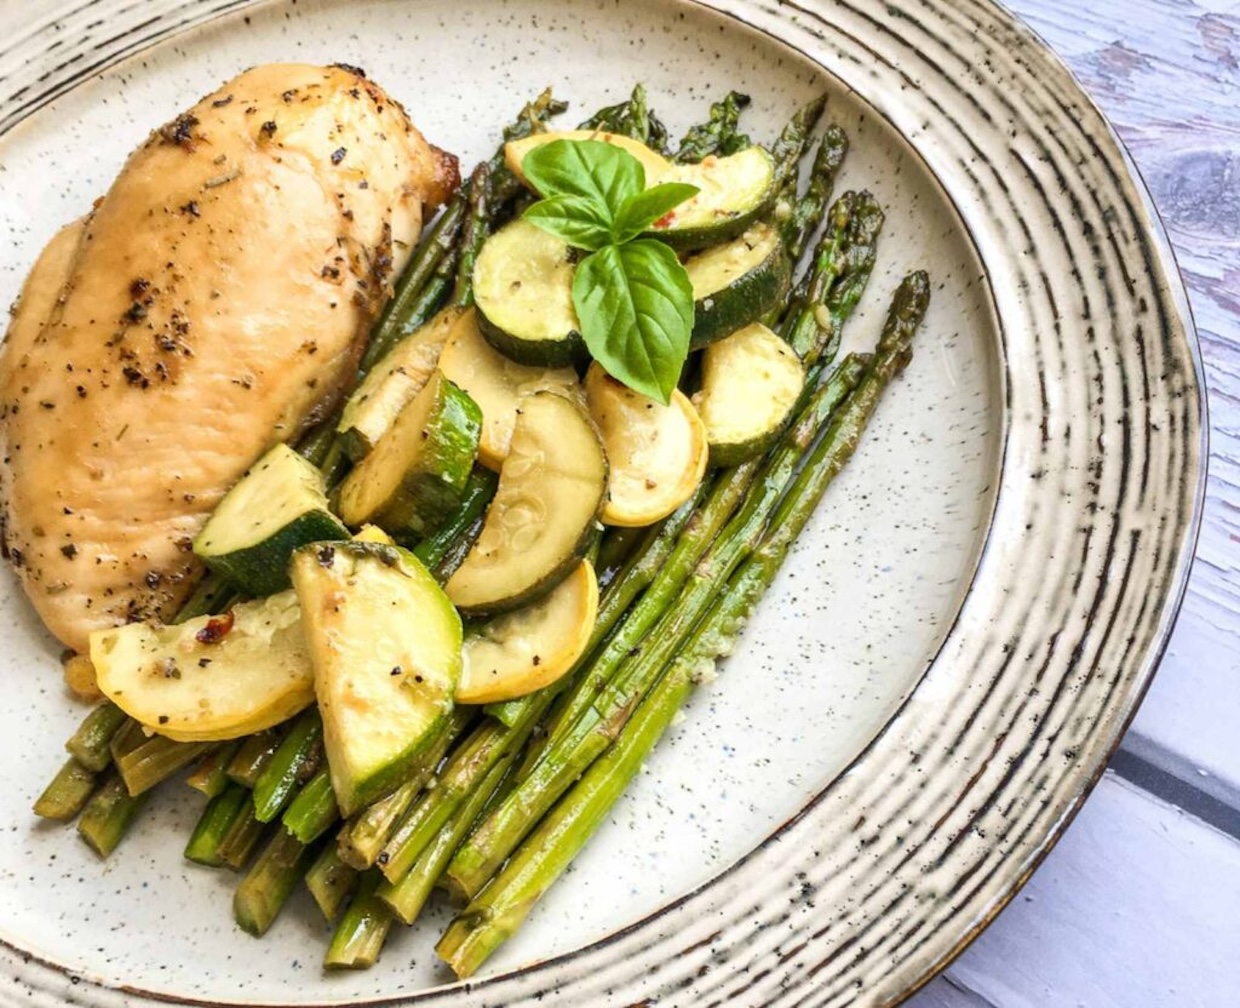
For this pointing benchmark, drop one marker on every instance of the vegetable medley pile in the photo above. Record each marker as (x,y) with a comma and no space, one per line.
(441,635)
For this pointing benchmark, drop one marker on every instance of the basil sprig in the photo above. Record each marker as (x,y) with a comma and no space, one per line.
(632,296)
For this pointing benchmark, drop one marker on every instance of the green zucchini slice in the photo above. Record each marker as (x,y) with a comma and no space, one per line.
(213,677)
(497,384)
(733,192)
(278,505)
(533,646)
(385,644)
(545,512)
(399,376)
(416,474)
(737,283)
(523,287)
(751,381)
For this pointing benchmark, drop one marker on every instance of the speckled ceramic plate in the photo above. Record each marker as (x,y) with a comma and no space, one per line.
(954,648)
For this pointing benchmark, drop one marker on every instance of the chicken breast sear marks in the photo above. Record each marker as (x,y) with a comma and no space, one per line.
(213,303)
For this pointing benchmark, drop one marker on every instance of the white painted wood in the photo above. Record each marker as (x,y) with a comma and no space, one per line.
(1137,907)
(1167,73)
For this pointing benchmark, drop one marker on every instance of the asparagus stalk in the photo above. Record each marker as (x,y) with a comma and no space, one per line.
(242,838)
(581,741)
(473,234)
(719,134)
(67,793)
(251,759)
(630,118)
(806,210)
(270,881)
(155,759)
(794,140)
(502,906)
(314,811)
(108,814)
(212,595)
(214,824)
(366,834)
(90,745)
(479,489)
(467,767)
(407,897)
(210,776)
(393,324)
(295,761)
(331,882)
(360,935)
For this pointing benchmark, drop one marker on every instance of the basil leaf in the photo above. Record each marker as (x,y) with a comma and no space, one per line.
(635,306)
(595,170)
(576,220)
(642,209)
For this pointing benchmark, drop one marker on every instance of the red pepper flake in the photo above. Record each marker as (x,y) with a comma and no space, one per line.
(217,628)
(666,220)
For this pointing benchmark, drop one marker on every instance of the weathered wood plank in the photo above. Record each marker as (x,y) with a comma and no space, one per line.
(1136,906)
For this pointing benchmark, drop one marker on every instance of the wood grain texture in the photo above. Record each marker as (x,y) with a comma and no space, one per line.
(1167,74)
(1135,908)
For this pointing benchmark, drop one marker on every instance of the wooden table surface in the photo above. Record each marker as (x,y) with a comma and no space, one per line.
(1139,904)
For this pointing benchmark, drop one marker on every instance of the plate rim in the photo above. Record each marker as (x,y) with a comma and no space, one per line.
(1172,286)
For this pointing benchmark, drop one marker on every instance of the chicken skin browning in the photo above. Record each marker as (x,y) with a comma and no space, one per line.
(213,303)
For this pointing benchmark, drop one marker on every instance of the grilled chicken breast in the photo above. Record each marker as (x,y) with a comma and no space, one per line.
(212,304)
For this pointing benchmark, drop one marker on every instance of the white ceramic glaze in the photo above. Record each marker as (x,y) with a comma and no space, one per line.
(1062,447)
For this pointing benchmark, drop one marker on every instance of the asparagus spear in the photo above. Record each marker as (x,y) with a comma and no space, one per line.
(794,140)
(90,745)
(214,824)
(295,761)
(630,118)
(155,759)
(798,225)
(67,793)
(365,835)
(270,881)
(719,134)
(251,759)
(242,838)
(314,811)
(331,882)
(407,897)
(473,234)
(210,776)
(502,906)
(467,767)
(582,741)
(362,930)
(108,814)
(479,489)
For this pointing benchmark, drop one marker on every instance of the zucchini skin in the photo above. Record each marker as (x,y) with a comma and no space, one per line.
(748,299)
(726,222)
(569,351)
(416,475)
(425,499)
(262,569)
